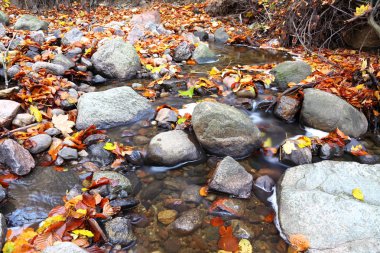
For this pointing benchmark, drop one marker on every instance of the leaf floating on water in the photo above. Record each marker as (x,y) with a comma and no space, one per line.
(227,241)
(288,147)
(36,113)
(217,222)
(358,194)
(299,242)
(268,143)
(245,246)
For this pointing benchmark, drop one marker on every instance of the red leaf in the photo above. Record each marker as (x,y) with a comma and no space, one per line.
(216,222)
(99,182)
(89,200)
(98,232)
(7,178)
(58,210)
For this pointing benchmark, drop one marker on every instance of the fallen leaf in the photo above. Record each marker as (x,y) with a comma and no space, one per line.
(62,123)
(245,246)
(288,147)
(358,194)
(203,191)
(109,146)
(36,113)
(299,242)
(83,232)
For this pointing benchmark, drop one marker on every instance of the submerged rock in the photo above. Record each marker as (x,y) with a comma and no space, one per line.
(290,71)
(167,216)
(188,222)
(325,111)
(173,148)
(316,201)
(116,59)
(203,54)
(64,247)
(114,107)
(119,231)
(230,177)
(263,188)
(123,183)
(99,155)
(16,157)
(30,23)
(224,130)
(8,110)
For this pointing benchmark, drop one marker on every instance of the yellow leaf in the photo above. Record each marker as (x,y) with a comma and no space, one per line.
(156,70)
(9,247)
(214,71)
(36,113)
(245,246)
(109,146)
(361,10)
(303,142)
(50,221)
(83,232)
(81,13)
(358,194)
(288,147)
(88,51)
(268,143)
(82,211)
(360,86)
(84,189)
(149,67)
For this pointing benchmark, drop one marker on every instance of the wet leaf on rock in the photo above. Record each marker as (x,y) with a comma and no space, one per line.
(288,147)
(299,242)
(358,194)
(245,246)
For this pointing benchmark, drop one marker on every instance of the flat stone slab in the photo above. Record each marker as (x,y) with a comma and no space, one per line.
(315,200)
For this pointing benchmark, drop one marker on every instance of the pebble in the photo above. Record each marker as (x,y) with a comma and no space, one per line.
(41,142)
(23,119)
(68,153)
(188,222)
(167,216)
(53,131)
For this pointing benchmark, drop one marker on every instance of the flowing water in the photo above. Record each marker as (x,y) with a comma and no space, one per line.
(31,197)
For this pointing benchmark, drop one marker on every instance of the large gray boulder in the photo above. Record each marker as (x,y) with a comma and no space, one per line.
(224,130)
(8,111)
(16,157)
(290,71)
(114,107)
(173,148)
(4,19)
(230,177)
(64,247)
(325,111)
(316,201)
(31,23)
(116,59)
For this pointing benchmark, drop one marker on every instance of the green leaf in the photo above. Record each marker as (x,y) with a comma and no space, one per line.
(188,93)
(109,146)
(9,247)
(181,121)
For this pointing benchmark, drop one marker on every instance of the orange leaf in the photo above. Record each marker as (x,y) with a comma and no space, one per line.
(299,242)
(203,191)
(216,222)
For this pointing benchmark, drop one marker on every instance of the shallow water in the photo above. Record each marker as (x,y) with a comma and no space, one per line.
(33,196)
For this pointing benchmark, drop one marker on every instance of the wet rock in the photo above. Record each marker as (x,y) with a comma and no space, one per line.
(140,140)
(353,144)
(64,61)
(30,23)
(64,247)
(316,201)
(182,52)
(4,19)
(173,85)
(328,151)
(191,194)
(8,110)
(172,148)
(202,35)
(23,119)
(98,79)
(119,231)
(68,153)
(203,54)
(123,182)
(125,203)
(16,157)
(297,156)
(72,36)
(40,143)
(230,177)
(3,227)
(167,216)
(246,94)
(221,36)
(135,158)
(99,155)
(3,194)
(242,230)
(95,138)
(263,188)
(152,190)
(53,131)
(38,37)
(188,222)
(290,71)
(165,116)
(114,107)
(116,59)
(14,70)
(287,108)
(317,113)
(229,207)
(368,159)
(52,68)
(224,130)
(58,112)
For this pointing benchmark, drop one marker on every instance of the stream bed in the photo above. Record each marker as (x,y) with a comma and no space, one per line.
(160,188)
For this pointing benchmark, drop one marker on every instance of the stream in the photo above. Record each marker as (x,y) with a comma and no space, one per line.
(32,197)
